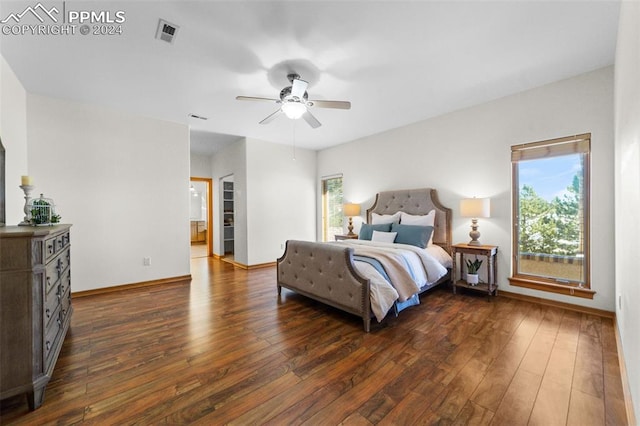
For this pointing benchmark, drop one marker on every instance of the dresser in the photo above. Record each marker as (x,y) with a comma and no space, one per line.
(35,306)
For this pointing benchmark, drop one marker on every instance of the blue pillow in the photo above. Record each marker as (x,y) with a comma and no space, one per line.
(366,231)
(412,234)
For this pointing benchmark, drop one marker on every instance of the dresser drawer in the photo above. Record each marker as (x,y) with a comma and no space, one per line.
(64,240)
(62,261)
(53,245)
(65,303)
(53,274)
(65,283)
(57,267)
(50,248)
(51,304)
(51,335)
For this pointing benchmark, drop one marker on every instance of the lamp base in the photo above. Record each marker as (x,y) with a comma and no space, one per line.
(350,227)
(474,234)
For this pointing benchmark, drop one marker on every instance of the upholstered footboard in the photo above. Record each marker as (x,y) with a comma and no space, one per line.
(325,272)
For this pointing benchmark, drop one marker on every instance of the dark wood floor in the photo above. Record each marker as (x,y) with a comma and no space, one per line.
(224,349)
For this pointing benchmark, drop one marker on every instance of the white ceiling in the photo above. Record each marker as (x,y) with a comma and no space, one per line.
(397,62)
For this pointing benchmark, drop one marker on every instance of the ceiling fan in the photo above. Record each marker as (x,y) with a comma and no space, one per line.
(294,102)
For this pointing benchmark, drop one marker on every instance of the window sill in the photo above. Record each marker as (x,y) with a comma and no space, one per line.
(553,288)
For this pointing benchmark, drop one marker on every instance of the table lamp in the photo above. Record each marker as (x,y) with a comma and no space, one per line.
(475,208)
(351,210)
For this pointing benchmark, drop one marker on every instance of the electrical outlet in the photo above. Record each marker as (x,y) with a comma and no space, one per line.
(146,261)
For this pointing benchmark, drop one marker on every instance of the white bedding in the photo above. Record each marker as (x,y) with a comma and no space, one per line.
(423,267)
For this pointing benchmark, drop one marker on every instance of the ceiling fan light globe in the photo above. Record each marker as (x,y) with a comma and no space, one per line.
(294,110)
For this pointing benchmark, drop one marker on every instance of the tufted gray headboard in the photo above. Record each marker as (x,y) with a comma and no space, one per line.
(417,202)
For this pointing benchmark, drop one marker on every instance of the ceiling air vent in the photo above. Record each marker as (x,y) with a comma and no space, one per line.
(166,31)
(199,117)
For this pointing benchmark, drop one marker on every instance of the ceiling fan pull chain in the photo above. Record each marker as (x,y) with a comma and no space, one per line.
(294,140)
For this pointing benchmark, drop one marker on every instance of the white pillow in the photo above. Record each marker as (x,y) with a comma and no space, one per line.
(424,220)
(428,219)
(384,237)
(379,219)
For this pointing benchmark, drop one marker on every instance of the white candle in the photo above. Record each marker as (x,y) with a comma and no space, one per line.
(27,180)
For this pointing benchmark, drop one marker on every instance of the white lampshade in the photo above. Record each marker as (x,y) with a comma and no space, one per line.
(351,209)
(475,207)
(293,110)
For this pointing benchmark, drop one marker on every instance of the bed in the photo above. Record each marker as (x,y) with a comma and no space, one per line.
(341,274)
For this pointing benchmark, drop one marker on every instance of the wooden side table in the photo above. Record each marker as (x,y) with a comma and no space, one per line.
(490,252)
(346,237)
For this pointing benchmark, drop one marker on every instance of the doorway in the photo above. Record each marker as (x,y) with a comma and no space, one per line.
(200,212)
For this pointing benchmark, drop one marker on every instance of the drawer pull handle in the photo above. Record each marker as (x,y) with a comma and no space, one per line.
(59,322)
(50,247)
(48,345)
(48,312)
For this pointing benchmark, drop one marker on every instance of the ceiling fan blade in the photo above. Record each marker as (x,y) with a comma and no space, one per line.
(332,104)
(298,87)
(311,120)
(253,98)
(271,117)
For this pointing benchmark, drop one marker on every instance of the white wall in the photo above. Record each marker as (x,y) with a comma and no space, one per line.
(627,160)
(200,166)
(467,153)
(281,198)
(231,160)
(122,181)
(13,131)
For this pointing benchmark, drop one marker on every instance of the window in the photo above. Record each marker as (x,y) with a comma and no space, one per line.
(332,217)
(550,192)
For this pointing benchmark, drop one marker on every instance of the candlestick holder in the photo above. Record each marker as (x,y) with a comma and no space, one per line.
(28,189)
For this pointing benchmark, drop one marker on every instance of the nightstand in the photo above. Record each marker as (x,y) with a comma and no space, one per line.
(490,252)
(346,237)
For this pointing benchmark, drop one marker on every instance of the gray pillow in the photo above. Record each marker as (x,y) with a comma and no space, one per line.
(366,231)
(412,234)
